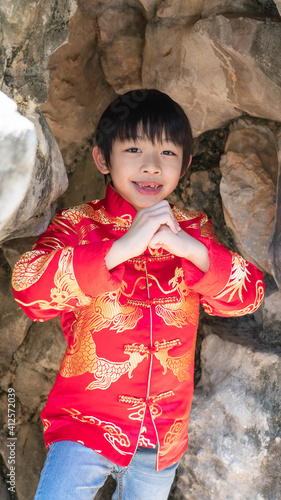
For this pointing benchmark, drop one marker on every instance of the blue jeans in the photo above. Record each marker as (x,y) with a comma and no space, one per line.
(74,472)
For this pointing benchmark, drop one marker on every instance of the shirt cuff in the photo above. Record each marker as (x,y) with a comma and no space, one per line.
(214,280)
(90,269)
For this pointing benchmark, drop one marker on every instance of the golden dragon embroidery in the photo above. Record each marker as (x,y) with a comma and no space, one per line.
(180,366)
(185,310)
(81,357)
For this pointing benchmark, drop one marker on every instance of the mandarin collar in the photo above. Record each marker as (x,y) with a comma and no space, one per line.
(116,205)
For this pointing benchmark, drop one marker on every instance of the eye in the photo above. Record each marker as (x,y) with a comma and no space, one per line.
(168,153)
(133,150)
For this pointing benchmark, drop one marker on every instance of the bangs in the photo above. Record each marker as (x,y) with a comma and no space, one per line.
(154,130)
(149,113)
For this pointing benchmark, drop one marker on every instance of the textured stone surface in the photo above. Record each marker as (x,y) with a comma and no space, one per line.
(30,185)
(235,432)
(272,313)
(78,91)
(275,240)
(278,5)
(248,189)
(239,55)
(121,41)
(13,322)
(18,143)
(220,59)
(30,31)
(187,56)
(32,373)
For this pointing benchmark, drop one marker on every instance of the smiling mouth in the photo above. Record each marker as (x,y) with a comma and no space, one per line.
(146,185)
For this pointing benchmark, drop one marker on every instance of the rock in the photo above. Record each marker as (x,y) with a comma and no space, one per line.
(32,183)
(272,313)
(278,5)
(4,494)
(247,49)
(182,11)
(78,91)
(18,145)
(44,348)
(31,31)
(239,55)
(150,6)
(35,367)
(235,436)
(31,450)
(248,190)
(86,183)
(243,7)
(14,249)
(176,61)
(185,11)
(13,322)
(275,239)
(245,135)
(121,43)
(30,385)
(219,59)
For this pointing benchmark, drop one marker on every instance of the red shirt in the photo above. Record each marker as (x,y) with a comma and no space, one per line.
(131,332)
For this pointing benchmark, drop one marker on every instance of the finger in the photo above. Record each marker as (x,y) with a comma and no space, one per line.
(159,237)
(162,212)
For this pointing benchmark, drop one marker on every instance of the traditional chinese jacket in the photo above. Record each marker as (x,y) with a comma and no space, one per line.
(126,378)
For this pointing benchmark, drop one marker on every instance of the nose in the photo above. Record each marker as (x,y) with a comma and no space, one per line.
(151,163)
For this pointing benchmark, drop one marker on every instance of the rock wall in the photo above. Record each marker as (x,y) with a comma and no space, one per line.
(61,63)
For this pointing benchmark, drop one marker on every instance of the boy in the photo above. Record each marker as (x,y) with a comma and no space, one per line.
(127,274)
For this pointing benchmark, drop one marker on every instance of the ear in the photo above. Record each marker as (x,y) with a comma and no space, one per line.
(185,169)
(100,160)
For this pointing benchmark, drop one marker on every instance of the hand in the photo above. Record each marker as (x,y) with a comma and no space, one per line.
(145,224)
(183,245)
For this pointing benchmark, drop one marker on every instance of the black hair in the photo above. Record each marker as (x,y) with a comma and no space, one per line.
(155,111)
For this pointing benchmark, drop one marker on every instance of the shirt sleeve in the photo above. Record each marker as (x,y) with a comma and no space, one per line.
(232,286)
(59,275)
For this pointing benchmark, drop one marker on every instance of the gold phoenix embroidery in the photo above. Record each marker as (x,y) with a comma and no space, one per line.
(26,273)
(237,280)
(66,287)
(252,307)
(183,215)
(113,434)
(81,358)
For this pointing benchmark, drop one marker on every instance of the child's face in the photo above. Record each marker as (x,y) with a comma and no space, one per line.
(144,173)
